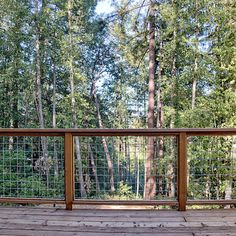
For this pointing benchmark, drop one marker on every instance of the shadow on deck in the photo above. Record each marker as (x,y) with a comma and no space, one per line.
(116,222)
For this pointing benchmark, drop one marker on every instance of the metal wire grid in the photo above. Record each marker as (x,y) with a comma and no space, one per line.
(28,171)
(128,155)
(212,168)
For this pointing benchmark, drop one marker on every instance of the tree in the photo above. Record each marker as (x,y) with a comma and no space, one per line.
(149,64)
(150,177)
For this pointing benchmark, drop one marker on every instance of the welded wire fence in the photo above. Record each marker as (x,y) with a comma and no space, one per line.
(32,167)
(113,168)
(212,168)
(82,166)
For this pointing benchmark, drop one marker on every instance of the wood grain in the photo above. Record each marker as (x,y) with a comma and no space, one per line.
(95,222)
(182,171)
(118,132)
(69,170)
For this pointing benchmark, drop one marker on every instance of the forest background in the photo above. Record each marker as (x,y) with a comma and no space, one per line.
(146,64)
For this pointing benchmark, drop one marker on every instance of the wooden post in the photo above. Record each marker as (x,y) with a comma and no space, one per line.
(182,171)
(69,170)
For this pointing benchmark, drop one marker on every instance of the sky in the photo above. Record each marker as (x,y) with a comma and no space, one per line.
(104,6)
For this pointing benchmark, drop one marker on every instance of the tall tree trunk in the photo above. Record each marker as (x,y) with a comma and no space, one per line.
(170,172)
(118,150)
(54,123)
(79,167)
(150,177)
(160,120)
(127,159)
(207,188)
(195,68)
(229,189)
(194,82)
(217,187)
(73,104)
(55,157)
(13,94)
(228,192)
(136,152)
(94,168)
(125,165)
(43,160)
(104,142)
(174,67)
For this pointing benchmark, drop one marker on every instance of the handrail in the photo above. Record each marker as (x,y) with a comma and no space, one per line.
(68,134)
(118,132)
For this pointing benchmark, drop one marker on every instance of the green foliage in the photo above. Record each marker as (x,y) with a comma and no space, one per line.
(195,41)
(18,178)
(124,192)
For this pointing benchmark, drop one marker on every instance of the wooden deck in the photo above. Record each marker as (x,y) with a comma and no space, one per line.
(98,222)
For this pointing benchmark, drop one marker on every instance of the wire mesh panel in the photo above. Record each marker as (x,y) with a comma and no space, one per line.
(115,168)
(32,167)
(212,168)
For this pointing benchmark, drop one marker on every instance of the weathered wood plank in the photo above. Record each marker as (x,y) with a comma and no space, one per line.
(84,212)
(216,234)
(53,233)
(112,230)
(141,224)
(21,232)
(223,213)
(27,210)
(23,221)
(93,218)
(47,222)
(211,218)
(121,213)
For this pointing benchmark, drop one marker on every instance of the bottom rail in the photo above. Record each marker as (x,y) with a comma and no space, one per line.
(211,202)
(31,201)
(126,202)
(117,202)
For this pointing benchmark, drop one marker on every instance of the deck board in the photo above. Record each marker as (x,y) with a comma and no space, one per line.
(91,222)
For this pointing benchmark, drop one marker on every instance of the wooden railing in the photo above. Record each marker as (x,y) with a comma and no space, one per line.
(69,175)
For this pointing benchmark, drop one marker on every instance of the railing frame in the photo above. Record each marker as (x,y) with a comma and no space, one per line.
(69,171)
(182,171)
(68,134)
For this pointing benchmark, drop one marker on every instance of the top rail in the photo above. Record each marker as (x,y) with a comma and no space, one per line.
(118,132)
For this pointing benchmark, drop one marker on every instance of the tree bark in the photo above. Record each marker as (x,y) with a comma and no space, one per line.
(42,163)
(79,167)
(170,173)
(136,151)
(228,192)
(54,123)
(73,104)
(160,120)
(127,159)
(150,177)
(229,188)
(194,83)
(104,142)
(195,69)
(55,157)
(94,168)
